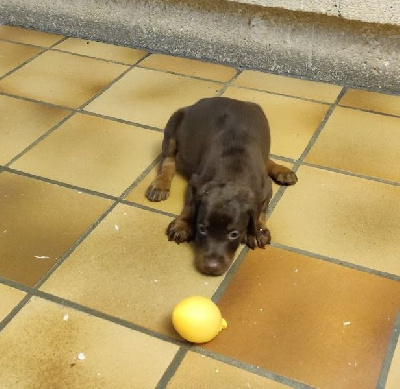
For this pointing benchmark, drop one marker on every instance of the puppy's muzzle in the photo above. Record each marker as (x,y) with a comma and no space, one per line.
(212,262)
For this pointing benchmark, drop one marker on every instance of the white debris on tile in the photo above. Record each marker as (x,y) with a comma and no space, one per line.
(42,257)
(296,270)
(4,231)
(81,356)
(352,364)
(346,323)
(66,317)
(205,283)
(216,370)
(116,226)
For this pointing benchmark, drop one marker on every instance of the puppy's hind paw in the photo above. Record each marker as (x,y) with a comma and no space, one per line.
(287,178)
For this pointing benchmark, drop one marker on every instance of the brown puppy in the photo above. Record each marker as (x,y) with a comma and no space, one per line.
(222,146)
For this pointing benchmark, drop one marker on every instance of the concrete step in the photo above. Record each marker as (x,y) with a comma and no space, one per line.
(311,39)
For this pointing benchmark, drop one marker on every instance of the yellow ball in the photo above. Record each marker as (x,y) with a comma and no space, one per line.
(197,319)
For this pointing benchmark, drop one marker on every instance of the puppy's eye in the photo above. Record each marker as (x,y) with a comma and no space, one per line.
(202,229)
(233,235)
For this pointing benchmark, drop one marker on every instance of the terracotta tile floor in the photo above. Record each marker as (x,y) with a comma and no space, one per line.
(88,279)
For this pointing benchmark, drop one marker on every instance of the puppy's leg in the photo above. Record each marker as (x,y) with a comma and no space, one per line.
(182,229)
(281,174)
(258,234)
(160,187)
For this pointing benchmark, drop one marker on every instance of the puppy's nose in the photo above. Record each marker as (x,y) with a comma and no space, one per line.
(214,266)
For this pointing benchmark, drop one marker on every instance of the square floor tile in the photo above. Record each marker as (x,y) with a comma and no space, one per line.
(128,269)
(93,153)
(189,67)
(378,102)
(150,97)
(176,199)
(30,37)
(288,86)
(340,216)
(393,378)
(10,297)
(39,222)
(61,78)
(50,338)
(13,55)
(210,373)
(22,122)
(125,55)
(292,121)
(318,323)
(360,142)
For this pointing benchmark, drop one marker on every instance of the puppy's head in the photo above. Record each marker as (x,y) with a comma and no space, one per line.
(223,214)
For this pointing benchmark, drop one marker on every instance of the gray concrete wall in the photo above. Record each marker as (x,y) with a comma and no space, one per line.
(304,44)
(371,11)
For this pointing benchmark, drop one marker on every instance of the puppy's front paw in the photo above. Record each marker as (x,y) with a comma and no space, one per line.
(262,238)
(180,231)
(157,191)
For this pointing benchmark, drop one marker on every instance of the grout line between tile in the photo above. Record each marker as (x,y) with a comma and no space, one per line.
(16,285)
(393,341)
(38,140)
(24,98)
(181,74)
(282,158)
(229,275)
(44,49)
(283,94)
(75,245)
(14,312)
(305,152)
(122,121)
(97,58)
(109,85)
(79,109)
(172,368)
(252,369)
(81,308)
(336,261)
(90,229)
(82,111)
(228,84)
(141,176)
(349,173)
(147,208)
(90,311)
(23,44)
(308,78)
(22,64)
(60,183)
(319,129)
(391,115)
